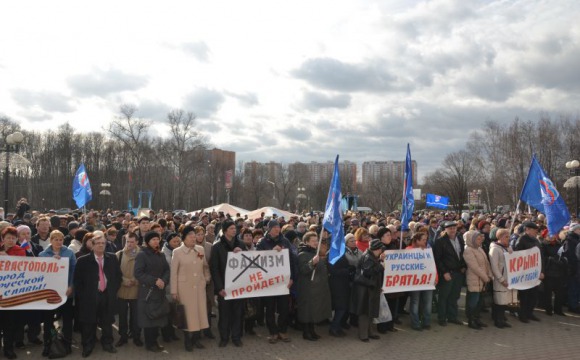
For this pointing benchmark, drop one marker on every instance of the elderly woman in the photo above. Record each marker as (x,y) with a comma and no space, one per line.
(314,304)
(58,251)
(189,277)
(478,274)
(10,320)
(502,296)
(152,272)
(367,289)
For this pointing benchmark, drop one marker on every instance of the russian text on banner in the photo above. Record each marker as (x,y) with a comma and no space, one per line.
(524,268)
(409,270)
(257,273)
(28,283)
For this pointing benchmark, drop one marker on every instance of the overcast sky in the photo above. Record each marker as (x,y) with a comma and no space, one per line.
(295,80)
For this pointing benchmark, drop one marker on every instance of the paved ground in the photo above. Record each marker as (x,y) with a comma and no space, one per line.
(555,337)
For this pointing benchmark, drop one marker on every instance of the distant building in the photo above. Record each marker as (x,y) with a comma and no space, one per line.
(269,171)
(314,173)
(375,170)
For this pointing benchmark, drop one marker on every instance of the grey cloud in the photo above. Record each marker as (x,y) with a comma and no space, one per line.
(105,82)
(332,74)
(198,49)
(246,99)
(315,101)
(154,110)
(204,102)
(490,84)
(555,65)
(46,100)
(296,133)
(210,126)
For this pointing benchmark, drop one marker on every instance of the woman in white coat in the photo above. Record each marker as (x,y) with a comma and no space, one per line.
(502,296)
(189,277)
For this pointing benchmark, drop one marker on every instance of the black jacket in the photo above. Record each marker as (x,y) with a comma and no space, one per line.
(446,258)
(367,299)
(149,266)
(570,244)
(219,258)
(86,284)
(527,242)
(340,281)
(269,243)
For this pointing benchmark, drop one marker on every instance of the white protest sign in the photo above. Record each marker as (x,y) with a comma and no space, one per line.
(523,268)
(32,283)
(409,270)
(257,273)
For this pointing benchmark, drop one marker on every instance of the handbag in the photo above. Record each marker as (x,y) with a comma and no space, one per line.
(179,318)
(156,304)
(57,349)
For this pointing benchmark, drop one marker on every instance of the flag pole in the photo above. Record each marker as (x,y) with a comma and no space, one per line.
(318,249)
(515,216)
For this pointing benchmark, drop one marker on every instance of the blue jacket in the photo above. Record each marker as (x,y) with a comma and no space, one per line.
(64,252)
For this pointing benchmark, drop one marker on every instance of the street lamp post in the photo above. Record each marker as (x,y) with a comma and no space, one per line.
(574,181)
(300,196)
(12,144)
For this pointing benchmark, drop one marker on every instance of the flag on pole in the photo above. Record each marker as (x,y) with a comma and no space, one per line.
(82,193)
(540,193)
(408,203)
(332,220)
(437,201)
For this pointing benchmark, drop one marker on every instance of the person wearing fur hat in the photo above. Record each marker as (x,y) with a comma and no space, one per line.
(230,311)
(152,272)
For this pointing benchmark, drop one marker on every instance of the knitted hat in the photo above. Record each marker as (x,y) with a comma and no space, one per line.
(150,235)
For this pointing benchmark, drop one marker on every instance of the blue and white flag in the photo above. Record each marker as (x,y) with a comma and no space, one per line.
(408,203)
(82,193)
(540,193)
(437,201)
(332,220)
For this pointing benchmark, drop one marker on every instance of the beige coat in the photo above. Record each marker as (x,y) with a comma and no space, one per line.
(189,276)
(128,291)
(478,268)
(501,294)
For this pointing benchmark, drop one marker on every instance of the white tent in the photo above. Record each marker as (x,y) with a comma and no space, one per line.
(224,207)
(268,212)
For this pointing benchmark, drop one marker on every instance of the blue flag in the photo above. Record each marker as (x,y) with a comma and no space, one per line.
(332,220)
(540,193)
(408,203)
(82,193)
(437,201)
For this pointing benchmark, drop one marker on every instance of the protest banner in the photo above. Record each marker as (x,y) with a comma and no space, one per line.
(523,268)
(409,270)
(257,273)
(28,283)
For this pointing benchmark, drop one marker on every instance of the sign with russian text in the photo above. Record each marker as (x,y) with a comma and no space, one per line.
(409,270)
(523,268)
(32,283)
(257,273)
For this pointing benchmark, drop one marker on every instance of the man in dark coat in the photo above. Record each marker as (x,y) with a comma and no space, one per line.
(230,311)
(528,297)
(97,279)
(341,275)
(570,247)
(448,253)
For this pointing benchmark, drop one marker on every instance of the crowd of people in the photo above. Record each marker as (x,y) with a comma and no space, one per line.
(119,265)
